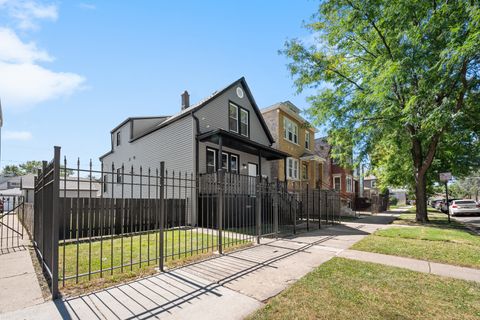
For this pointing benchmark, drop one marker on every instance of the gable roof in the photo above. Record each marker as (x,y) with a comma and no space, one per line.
(289,108)
(195,107)
(202,103)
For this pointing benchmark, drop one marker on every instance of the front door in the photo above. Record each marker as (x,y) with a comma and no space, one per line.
(252,169)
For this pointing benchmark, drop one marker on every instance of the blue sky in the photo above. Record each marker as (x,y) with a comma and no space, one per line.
(71,71)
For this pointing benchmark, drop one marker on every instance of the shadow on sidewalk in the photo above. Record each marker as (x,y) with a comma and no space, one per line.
(159,295)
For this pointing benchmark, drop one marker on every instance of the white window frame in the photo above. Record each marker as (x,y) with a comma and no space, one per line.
(292,170)
(307,140)
(246,124)
(225,154)
(349,187)
(340,184)
(118,138)
(290,127)
(214,159)
(236,117)
(236,161)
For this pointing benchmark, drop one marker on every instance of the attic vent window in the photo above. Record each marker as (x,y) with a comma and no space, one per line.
(239,92)
(118,138)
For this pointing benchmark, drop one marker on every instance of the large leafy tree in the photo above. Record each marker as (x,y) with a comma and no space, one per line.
(398,81)
(30,166)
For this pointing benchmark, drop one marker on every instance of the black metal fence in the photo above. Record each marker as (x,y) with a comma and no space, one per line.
(11,216)
(99,223)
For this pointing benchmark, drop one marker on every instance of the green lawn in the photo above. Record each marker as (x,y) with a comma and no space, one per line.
(348,289)
(439,244)
(437,219)
(179,245)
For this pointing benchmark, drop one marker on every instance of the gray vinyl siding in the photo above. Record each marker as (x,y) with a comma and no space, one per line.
(244,158)
(173,144)
(214,115)
(141,126)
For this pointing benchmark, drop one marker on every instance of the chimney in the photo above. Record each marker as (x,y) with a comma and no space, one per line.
(185,100)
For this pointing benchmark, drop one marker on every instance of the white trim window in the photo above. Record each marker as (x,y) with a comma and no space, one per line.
(225,161)
(290,130)
(292,168)
(244,121)
(233,163)
(307,140)
(349,184)
(211,160)
(233,118)
(118,138)
(337,183)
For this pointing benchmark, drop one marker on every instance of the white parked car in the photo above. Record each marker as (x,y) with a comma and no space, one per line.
(466,206)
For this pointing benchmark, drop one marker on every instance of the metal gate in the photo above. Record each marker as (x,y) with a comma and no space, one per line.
(11,228)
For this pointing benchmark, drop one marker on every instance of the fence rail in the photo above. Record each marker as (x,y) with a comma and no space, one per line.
(90,223)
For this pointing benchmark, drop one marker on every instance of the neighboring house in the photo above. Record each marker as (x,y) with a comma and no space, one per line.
(70,188)
(226,127)
(295,136)
(340,179)
(9,182)
(370,187)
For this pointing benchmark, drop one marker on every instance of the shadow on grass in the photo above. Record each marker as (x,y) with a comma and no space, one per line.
(159,294)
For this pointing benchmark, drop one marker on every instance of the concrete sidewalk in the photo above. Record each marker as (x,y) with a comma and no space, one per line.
(19,287)
(440,269)
(230,286)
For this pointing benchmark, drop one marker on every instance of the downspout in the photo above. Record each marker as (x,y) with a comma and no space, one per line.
(197,130)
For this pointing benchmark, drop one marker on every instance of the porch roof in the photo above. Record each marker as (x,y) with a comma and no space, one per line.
(240,143)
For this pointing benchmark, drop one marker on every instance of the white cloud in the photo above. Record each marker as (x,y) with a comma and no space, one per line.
(23,81)
(87,6)
(13,50)
(27,84)
(17,135)
(28,12)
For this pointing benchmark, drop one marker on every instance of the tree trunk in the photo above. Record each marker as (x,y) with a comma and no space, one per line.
(421,197)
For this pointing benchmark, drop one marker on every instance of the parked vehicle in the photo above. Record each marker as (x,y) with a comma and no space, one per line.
(444,207)
(439,204)
(465,206)
(435,202)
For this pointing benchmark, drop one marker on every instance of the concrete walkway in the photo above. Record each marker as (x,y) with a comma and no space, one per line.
(19,287)
(230,286)
(440,269)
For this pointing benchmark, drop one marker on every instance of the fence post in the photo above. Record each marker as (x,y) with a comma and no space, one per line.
(275,208)
(161,257)
(220,198)
(55,220)
(42,234)
(258,209)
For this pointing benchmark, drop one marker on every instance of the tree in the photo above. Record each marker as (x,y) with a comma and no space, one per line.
(12,170)
(467,187)
(31,166)
(398,81)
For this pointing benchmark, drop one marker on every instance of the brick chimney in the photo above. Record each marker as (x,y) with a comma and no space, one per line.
(185,100)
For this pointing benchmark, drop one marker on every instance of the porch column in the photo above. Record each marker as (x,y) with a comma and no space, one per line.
(285,172)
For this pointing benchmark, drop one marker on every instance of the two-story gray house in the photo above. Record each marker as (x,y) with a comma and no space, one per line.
(228,122)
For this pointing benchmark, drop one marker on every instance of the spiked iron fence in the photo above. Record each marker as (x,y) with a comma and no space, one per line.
(98,223)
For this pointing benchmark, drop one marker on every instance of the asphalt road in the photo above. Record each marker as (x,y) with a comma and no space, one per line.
(473,221)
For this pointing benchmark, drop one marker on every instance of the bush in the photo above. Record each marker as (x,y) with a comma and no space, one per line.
(393,201)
